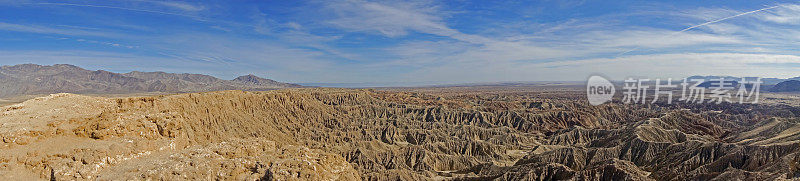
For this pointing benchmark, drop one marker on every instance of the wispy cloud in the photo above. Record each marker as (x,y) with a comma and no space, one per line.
(199,18)
(651,65)
(390,20)
(671,35)
(53,30)
(787,14)
(394,19)
(403,41)
(183,6)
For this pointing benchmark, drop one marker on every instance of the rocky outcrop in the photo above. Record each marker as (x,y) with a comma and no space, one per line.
(387,135)
(255,80)
(677,145)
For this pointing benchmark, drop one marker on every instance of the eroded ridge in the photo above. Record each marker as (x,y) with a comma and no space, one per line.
(346,134)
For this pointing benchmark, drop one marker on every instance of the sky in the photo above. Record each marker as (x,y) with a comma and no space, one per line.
(409,42)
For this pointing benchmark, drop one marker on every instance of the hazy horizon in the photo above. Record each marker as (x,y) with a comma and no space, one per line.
(429,83)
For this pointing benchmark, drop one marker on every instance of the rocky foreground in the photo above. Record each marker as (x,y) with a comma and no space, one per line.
(344,134)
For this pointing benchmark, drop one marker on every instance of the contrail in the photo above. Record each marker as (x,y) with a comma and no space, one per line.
(197,18)
(707,23)
(122,8)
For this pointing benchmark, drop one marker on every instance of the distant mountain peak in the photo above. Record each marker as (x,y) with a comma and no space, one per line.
(256,80)
(247,76)
(764,80)
(787,86)
(29,79)
(251,79)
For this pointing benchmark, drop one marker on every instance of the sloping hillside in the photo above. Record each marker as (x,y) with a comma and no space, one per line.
(32,79)
(787,86)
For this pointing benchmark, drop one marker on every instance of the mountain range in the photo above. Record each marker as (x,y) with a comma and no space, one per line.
(787,86)
(768,84)
(765,81)
(31,79)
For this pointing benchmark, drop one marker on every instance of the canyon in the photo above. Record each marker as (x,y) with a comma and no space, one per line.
(535,132)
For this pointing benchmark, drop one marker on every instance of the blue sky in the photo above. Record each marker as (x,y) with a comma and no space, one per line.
(403,42)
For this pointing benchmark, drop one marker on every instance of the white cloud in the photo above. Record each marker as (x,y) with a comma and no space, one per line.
(307,50)
(294,25)
(183,6)
(51,30)
(520,57)
(94,60)
(394,19)
(775,29)
(655,65)
(655,38)
(785,14)
(390,20)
